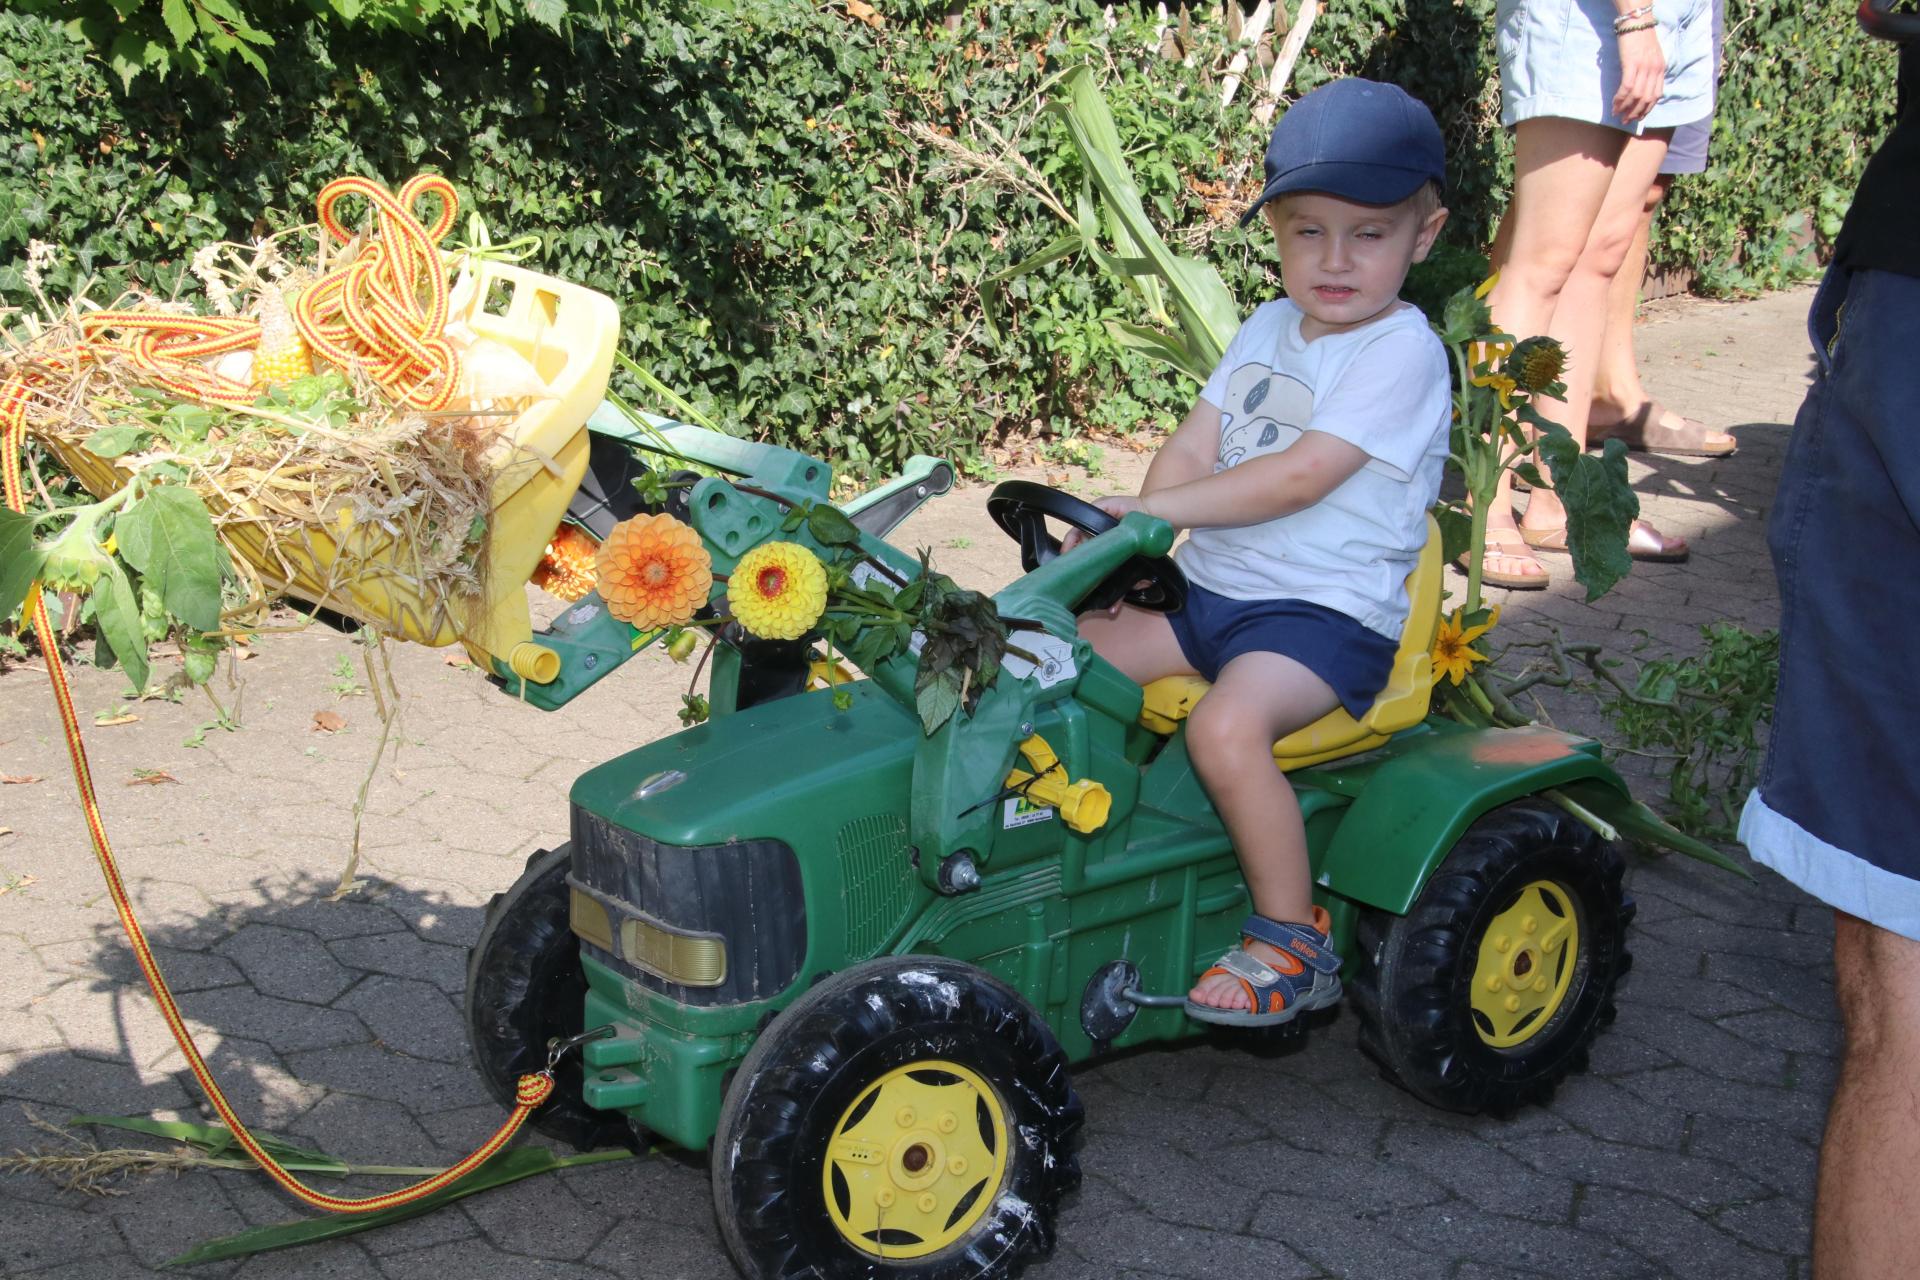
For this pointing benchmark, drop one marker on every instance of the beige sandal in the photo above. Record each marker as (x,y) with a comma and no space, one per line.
(1504,542)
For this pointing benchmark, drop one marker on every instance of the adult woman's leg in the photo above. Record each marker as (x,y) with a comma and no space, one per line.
(1616,380)
(1579,316)
(1621,405)
(1563,170)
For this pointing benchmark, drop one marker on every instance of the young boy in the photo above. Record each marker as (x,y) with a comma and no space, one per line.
(1304,474)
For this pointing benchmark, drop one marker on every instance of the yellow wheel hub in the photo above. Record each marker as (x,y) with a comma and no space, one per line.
(916,1160)
(1527,957)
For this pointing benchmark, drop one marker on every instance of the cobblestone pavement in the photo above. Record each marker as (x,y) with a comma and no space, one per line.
(1687,1150)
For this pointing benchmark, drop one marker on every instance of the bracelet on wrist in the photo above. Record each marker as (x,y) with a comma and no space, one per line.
(1621,21)
(1644,24)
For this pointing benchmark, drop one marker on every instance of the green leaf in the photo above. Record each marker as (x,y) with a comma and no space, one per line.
(20,559)
(1456,531)
(507,1167)
(830,526)
(1601,507)
(937,698)
(168,536)
(111,442)
(179,20)
(116,610)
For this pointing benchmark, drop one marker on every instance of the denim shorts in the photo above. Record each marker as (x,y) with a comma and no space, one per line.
(1559,58)
(1837,810)
(1354,660)
(1687,151)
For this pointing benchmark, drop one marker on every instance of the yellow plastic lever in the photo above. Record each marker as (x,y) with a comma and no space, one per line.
(1083,805)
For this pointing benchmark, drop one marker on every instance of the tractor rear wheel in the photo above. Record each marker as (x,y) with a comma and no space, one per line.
(526,986)
(1488,992)
(911,1117)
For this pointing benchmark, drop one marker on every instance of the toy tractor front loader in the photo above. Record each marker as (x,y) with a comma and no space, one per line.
(855,961)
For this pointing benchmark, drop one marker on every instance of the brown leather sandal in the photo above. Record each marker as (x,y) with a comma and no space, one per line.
(1645,431)
(1644,542)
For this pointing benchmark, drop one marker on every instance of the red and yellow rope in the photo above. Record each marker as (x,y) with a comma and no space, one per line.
(371,314)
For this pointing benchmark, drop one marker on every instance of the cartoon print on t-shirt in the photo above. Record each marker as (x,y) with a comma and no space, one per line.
(1264,413)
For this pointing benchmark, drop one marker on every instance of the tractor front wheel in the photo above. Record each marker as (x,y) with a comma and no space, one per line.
(1488,992)
(526,986)
(911,1117)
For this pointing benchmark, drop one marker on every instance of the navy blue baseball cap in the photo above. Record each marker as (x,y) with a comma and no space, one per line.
(1361,140)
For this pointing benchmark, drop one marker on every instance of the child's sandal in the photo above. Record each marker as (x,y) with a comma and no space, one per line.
(1305,977)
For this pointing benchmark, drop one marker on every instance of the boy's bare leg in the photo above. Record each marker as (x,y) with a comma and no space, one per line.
(1138,641)
(1258,699)
(1866,1214)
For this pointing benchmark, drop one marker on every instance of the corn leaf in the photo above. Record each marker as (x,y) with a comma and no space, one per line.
(1637,822)
(216,1142)
(1203,309)
(509,1166)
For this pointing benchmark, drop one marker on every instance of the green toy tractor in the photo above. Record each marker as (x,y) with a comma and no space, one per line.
(855,961)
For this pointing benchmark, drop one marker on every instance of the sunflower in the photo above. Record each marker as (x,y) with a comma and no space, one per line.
(1452,657)
(1538,363)
(779,590)
(1501,384)
(566,570)
(653,572)
(1487,286)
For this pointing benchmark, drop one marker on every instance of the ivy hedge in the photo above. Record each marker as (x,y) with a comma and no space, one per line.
(795,203)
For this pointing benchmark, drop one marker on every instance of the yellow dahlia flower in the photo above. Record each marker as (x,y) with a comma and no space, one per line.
(779,590)
(653,572)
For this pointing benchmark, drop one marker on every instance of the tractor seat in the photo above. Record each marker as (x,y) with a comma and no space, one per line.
(1401,705)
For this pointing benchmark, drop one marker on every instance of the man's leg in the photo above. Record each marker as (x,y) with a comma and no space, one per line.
(1867,1211)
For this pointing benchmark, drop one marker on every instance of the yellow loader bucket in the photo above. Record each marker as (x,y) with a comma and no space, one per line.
(568,333)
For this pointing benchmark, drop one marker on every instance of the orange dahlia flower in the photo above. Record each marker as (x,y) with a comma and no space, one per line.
(566,570)
(778,590)
(653,572)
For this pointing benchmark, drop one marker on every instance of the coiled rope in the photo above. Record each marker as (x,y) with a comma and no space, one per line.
(369,315)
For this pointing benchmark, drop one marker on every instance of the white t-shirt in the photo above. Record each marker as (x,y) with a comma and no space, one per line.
(1383,388)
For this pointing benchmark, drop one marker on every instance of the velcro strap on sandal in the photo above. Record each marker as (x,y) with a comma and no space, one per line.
(1301,940)
(1245,964)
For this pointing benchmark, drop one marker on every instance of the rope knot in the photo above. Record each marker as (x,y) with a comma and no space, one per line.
(532,1090)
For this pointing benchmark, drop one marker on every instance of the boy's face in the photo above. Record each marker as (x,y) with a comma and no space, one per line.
(1343,263)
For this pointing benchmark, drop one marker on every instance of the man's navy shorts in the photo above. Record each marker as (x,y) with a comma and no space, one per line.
(1354,660)
(1837,810)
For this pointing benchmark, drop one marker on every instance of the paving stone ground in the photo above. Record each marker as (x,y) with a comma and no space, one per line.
(1687,1150)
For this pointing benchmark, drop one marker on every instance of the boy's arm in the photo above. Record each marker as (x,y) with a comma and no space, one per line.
(1258,489)
(1189,453)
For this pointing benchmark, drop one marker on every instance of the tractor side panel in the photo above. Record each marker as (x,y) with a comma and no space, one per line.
(1421,792)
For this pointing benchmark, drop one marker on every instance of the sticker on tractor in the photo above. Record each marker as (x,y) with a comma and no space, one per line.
(1055,655)
(1022,812)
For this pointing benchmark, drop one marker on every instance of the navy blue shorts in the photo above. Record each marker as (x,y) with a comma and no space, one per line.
(1839,797)
(1354,660)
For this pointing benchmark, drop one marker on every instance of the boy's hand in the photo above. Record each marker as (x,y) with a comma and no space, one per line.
(1116,505)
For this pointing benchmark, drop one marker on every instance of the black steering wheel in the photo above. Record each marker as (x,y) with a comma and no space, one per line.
(1021,508)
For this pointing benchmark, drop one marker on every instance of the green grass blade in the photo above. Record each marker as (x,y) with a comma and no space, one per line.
(682,408)
(509,1166)
(217,1140)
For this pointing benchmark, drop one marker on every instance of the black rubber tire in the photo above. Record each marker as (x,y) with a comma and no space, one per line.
(525,986)
(1412,985)
(810,1064)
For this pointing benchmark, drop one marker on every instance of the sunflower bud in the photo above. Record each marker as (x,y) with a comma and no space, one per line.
(1537,363)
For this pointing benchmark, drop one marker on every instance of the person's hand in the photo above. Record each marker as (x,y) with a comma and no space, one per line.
(1643,73)
(1116,505)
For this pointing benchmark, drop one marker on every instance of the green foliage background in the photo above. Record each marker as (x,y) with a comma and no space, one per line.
(747,180)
